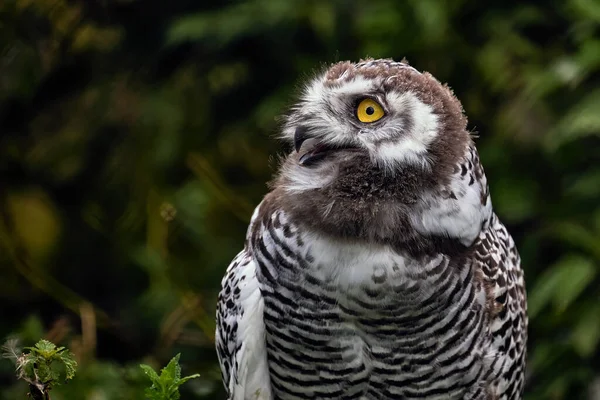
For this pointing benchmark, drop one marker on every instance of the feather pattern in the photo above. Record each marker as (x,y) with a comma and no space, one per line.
(240,333)
(344,321)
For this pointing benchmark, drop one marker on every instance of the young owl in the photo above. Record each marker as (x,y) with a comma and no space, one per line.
(376,267)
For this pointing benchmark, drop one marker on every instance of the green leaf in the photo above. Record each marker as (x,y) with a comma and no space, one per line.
(577,273)
(579,236)
(43,347)
(227,24)
(596,219)
(586,334)
(586,185)
(150,372)
(187,378)
(561,284)
(166,386)
(582,119)
(71,366)
(588,8)
(172,371)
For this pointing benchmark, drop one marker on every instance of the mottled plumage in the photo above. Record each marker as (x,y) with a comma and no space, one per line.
(376,267)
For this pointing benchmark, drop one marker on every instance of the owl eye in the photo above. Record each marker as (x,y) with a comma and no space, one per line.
(368,110)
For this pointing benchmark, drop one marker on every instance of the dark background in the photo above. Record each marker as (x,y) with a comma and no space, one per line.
(137,136)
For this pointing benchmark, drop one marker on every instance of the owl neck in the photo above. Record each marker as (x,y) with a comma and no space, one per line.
(413,210)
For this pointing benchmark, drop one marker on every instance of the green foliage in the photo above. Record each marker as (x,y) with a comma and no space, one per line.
(43,367)
(42,359)
(166,386)
(137,138)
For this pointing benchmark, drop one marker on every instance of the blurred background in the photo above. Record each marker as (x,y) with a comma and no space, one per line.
(136,137)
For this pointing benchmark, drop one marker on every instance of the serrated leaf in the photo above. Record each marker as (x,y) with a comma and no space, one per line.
(42,347)
(166,386)
(151,373)
(171,372)
(45,345)
(44,361)
(68,359)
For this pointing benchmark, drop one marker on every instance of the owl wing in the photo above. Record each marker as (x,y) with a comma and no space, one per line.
(240,332)
(499,261)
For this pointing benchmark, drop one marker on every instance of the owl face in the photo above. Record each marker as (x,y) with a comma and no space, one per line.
(380,109)
(382,153)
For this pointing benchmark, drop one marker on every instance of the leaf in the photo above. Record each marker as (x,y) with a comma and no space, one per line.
(172,371)
(68,359)
(561,284)
(187,378)
(150,372)
(586,185)
(225,25)
(166,386)
(586,333)
(577,272)
(588,8)
(597,220)
(43,362)
(582,119)
(578,236)
(43,347)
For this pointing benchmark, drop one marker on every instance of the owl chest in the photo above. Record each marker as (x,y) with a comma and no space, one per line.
(319,344)
(346,320)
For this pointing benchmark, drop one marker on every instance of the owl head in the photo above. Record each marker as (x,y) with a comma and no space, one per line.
(375,145)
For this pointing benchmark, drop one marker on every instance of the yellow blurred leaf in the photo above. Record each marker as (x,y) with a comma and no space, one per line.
(36,221)
(64,19)
(90,37)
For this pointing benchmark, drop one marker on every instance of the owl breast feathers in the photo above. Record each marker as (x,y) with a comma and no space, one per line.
(376,267)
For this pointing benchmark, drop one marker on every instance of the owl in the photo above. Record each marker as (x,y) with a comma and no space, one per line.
(375,268)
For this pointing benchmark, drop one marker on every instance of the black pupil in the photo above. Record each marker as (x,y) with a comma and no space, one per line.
(370,110)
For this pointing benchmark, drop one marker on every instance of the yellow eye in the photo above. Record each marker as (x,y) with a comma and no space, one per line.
(369,110)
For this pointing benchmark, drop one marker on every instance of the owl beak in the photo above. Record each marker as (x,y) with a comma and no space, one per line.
(306,146)
(310,149)
(300,135)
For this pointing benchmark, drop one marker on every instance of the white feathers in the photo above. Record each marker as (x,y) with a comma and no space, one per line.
(414,133)
(349,265)
(357,86)
(303,179)
(240,333)
(402,137)
(249,372)
(451,218)
(253,374)
(424,127)
(459,215)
